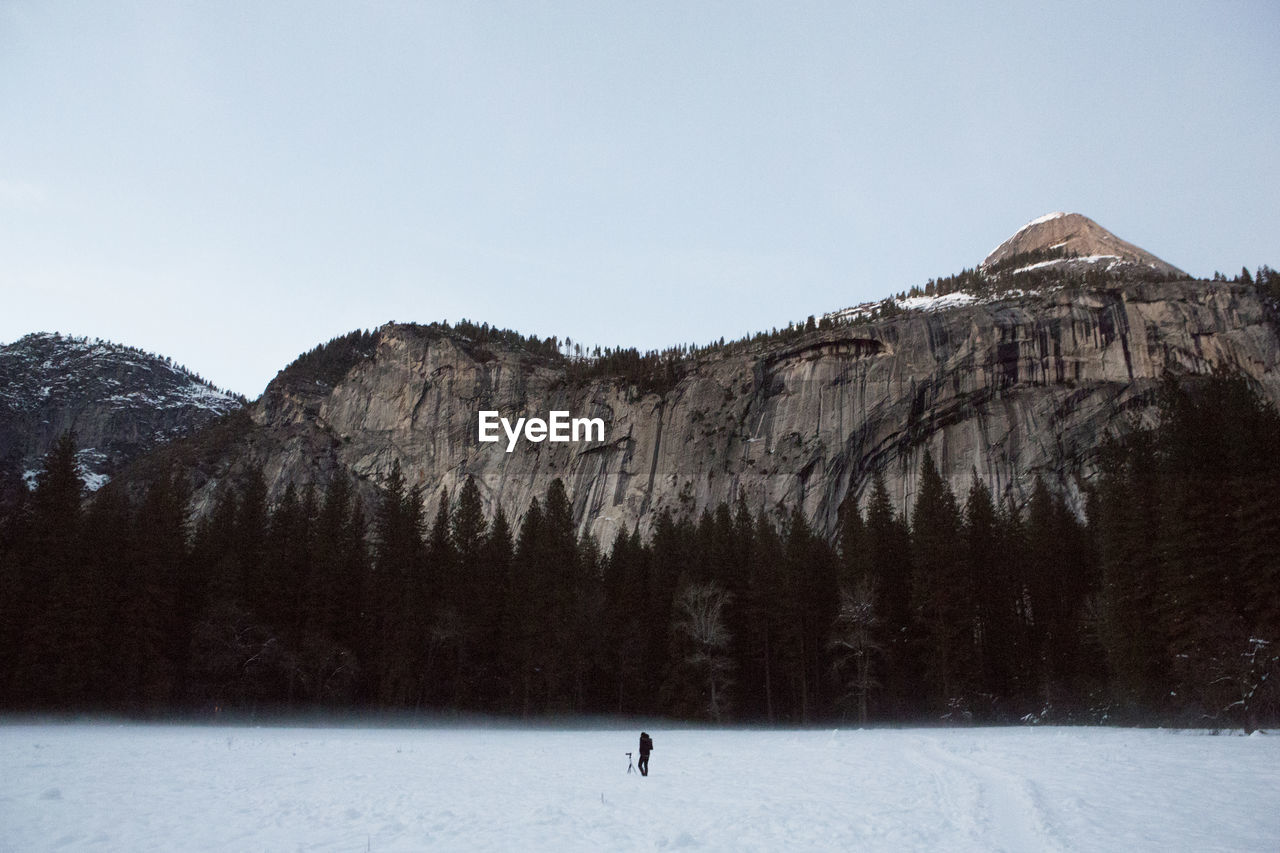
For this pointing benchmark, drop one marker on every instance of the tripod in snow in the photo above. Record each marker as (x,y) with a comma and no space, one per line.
(630,767)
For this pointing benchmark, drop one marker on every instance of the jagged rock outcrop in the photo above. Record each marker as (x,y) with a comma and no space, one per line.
(1004,389)
(120,401)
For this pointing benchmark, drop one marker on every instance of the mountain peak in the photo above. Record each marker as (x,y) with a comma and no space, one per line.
(1077,239)
(120,401)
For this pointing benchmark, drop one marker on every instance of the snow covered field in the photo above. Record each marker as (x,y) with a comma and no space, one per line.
(133,788)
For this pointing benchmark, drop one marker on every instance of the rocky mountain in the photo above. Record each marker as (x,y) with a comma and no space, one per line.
(121,402)
(1004,386)
(1062,241)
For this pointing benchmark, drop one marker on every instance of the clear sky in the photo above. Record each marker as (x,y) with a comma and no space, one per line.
(230,183)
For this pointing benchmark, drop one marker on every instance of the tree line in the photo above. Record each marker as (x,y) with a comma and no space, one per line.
(85,342)
(657,371)
(1163,605)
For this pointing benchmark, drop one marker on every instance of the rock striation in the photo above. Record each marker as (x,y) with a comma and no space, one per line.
(1022,377)
(1001,388)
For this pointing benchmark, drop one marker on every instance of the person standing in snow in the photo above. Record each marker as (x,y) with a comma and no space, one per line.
(646,746)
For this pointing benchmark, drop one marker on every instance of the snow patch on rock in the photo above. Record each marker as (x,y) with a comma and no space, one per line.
(936,303)
(1039,220)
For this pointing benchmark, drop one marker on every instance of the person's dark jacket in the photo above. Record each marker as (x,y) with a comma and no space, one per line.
(646,744)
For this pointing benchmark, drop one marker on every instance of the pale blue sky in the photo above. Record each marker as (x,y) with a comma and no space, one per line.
(230,183)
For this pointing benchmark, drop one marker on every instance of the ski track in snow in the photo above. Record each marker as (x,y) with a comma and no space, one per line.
(137,788)
(1001,811)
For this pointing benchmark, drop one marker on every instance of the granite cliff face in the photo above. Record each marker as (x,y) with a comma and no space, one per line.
(120,401)
(1003,388)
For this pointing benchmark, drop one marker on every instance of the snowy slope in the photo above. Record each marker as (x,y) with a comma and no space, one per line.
(79,787)
(119,400)
(1085,242)
(1085,246)
(915,303)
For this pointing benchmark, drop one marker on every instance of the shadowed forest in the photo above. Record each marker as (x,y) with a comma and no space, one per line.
(1162,605)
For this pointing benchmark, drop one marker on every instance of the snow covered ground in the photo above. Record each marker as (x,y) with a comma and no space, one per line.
(134,788)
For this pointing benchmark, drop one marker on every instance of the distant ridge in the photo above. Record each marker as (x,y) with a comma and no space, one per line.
(120,401)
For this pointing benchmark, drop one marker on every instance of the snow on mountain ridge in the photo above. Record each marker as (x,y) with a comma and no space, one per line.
(119,400)
(1080,244)
(62,357)
(1057,214)
(1076,237)
(1039,220)
(956,299)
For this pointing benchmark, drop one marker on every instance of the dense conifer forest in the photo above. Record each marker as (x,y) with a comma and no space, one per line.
(1163,605)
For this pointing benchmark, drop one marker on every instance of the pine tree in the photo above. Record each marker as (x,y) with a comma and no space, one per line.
(442,557)
(463,593)
(1014,549)
(151,623)
(437,605)
(669,556)
(560,570)
(737,583)
(626,584)
(329,586)
(1043,566)
(888,549)
(221,629)
(50,589)
(213,551)
(855,560)
(994,636)
(1127,524)
(760,693)
(1258,523)
(329,663)
(468,537)
(1213,436)
(722,554)
(587,637)
(250,540)
(497,554)
(108,543)
(396,605)
(942,593)
(15,557)
(809,604)
(285,566)
(527,606)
